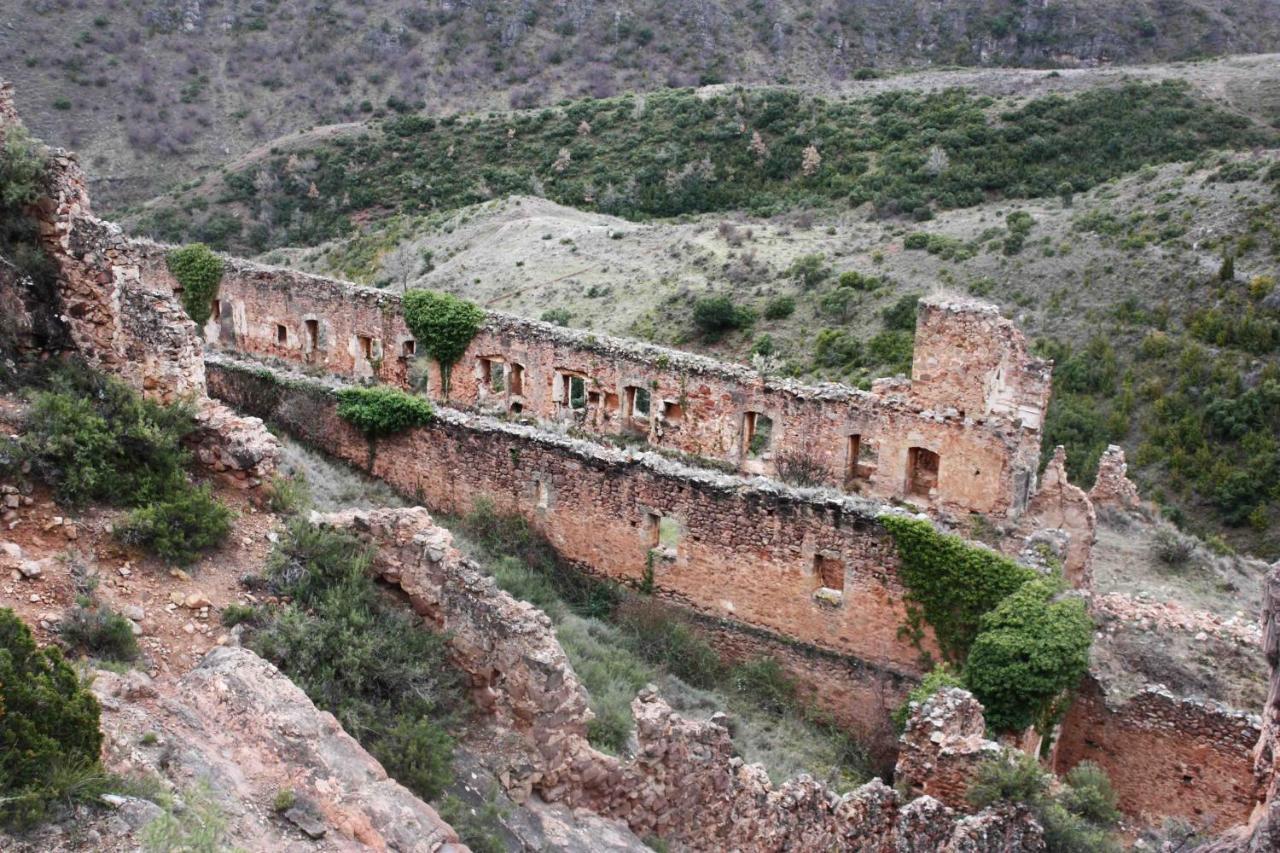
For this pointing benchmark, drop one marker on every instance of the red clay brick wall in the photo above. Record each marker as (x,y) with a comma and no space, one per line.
(745,552)
(1165,756)
(697,405)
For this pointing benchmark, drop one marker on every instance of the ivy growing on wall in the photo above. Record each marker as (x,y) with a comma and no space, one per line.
(951,583)
(382,411)
(1023,642)
(443,325)
(199,271)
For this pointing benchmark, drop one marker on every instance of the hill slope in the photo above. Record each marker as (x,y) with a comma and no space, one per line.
(1097,215)
(151,92)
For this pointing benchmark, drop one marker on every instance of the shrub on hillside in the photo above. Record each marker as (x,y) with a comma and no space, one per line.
(48,725)
(901,315)
(809,270)
(99,631)
(780,308)
(365,658)
(179,526)
(382,410)
(716,316)
(93,438)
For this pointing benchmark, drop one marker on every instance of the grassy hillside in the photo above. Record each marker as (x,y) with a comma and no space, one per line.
(151,92)
(679,152)
(804,228)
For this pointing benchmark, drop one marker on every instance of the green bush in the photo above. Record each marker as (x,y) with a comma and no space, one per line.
(180,526)
(901,315)
(443,325)
(1031,649)
(854,280)
(94,438)
(780,308)
(241,614)
(22,164)
(1017,778)
(99,631)
(716,316)
(838,349)
(1089,794)
(48,725)
(362,655)
(809,270)
(199,271)
(382,410)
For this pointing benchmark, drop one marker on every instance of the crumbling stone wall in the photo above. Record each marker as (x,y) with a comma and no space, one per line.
(749,552)
(944,742)
(684,784)
(1061,506)
(126,325)
(1261,832)
(1112,487)
(1165,755)
(986,437)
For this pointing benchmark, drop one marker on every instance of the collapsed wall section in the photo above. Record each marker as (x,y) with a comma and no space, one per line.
(683,783)
(119,321)
(890,443)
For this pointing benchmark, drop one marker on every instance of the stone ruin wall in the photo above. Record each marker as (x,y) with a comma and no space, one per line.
(988,452)
(684,783)
(1165,755)
(124,324)
(736,552)
(118,308)
(745,560)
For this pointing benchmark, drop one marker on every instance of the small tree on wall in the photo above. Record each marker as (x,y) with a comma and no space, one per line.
(443,325)
(199,271)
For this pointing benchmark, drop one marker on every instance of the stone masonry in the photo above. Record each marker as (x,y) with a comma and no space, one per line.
(122,325)
(951,439)
(684,783)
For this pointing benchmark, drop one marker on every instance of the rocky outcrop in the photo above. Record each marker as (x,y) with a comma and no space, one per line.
(684,782)
(1113,488)
(237,731)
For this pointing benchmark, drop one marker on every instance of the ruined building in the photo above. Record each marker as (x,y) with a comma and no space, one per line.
(806,575)
(963,435)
